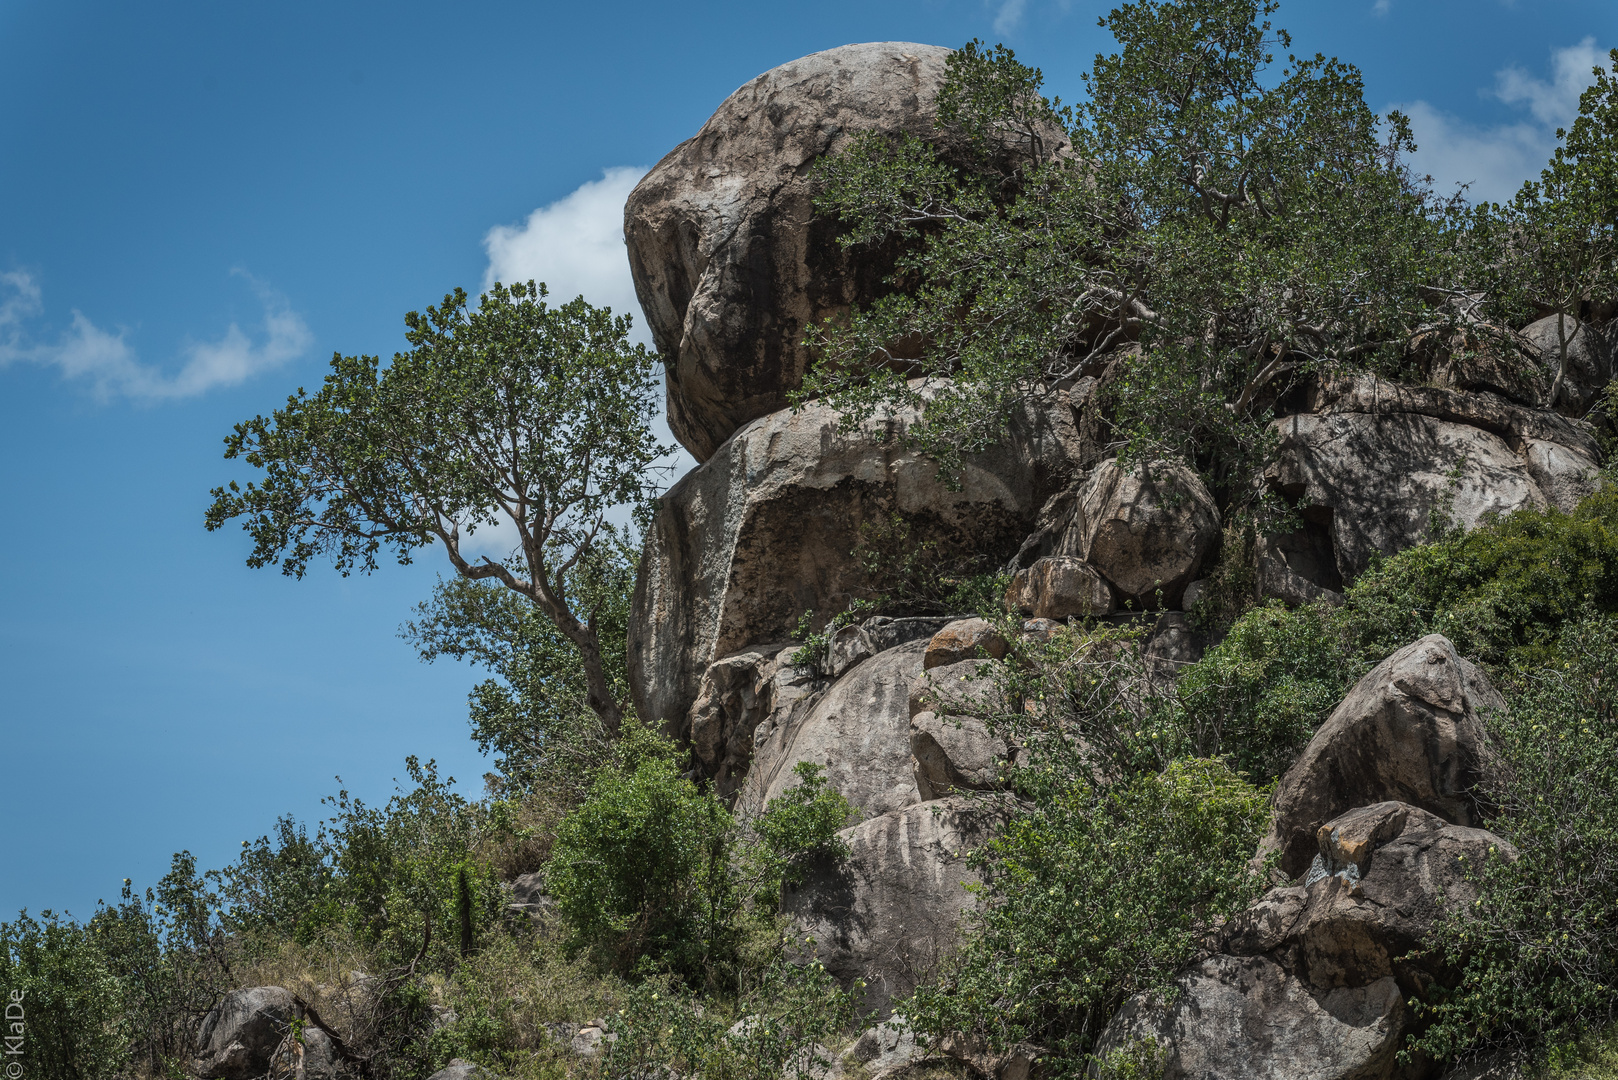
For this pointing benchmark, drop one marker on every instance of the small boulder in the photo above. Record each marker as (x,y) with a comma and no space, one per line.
(892,910)
(955,754)
(1059,587)
(964,639)
(1146,529)
(1411,730)
(889,1045)
(461,1069)
(1246,1017)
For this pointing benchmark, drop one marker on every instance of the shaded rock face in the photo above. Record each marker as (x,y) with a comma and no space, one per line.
(891,911)
(1143,529)
(1412,730)
(735,696)
(954,753)
(239,1038)
(1059,587)
(1373,459)
(858,729)
(730,263)
(743,545)
(1245,1016)
(1589,364)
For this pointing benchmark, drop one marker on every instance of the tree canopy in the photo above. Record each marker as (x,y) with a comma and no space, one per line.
(514,415)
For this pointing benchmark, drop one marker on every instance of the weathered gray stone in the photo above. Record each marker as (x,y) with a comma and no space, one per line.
(1246,1017)
(246,1034)
(731,264)
(891,911)
(1411,730)
(1373,459)
(1145,529)
(1589,365)
(964,639)
(852,644)
(736,695)
(743,545)
(858,730)
(964,688)
(1059,587)
(1382,877)
(888,1045)
(461,1069)
(956,754)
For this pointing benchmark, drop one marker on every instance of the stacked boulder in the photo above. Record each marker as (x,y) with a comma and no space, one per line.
(1375,823)
(732,269)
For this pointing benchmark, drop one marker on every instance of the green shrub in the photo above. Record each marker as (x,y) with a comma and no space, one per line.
(1540,946)
(796,830)
(640,869)
(1093,894)
(73,1006)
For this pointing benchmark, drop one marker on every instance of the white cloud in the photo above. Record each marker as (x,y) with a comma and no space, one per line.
(109,365)
(1495,160)
(575,245)
(1381,7)
(1009,15)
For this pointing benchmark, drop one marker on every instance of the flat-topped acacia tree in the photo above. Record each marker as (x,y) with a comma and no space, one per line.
(515,414)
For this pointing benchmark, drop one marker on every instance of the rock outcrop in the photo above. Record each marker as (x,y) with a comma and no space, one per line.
(964,639)
(743,545)
(1589,366)
(892,910)
(1312,980)
(1412,730)
(1373,459)
(1145,529)
(954,753)
(735,696)
(731,265)
(858,730)
(247,1034)
(1059,587)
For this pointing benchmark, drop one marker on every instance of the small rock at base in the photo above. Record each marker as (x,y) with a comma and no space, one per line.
(962,640)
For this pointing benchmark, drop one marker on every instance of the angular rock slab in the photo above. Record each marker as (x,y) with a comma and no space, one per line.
(1375,458)
(1144,528)
(239,1037)
(737,695)
(858,730)
(1383,877)
(1246,1017)
(743,545)
(731,264)
(1411,730)
(891,911)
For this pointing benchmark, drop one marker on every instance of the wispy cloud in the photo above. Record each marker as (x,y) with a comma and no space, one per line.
(1381,7)
(575,245)
(109,366)
(1009,15)
(1495,160)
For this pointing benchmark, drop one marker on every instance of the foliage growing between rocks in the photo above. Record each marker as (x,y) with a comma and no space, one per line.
(1539,948)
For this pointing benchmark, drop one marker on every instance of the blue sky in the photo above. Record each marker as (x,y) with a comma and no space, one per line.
(200,202)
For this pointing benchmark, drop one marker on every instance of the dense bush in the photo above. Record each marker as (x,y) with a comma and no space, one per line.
(74,1006)
(1093,894)
(1540,945)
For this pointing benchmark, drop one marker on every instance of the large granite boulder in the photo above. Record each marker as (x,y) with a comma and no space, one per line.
(858,730)
(956,753)
(892,910)
(1372,460)
(744,544)
(247,1034)
(1411,730)
(1144,528)
(731,264)
(1244,1016)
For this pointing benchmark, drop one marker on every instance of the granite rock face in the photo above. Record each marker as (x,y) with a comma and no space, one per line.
(1412,730)
(891,911)
(731,264)
(246,1035)
(1371,460)
(764,531)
